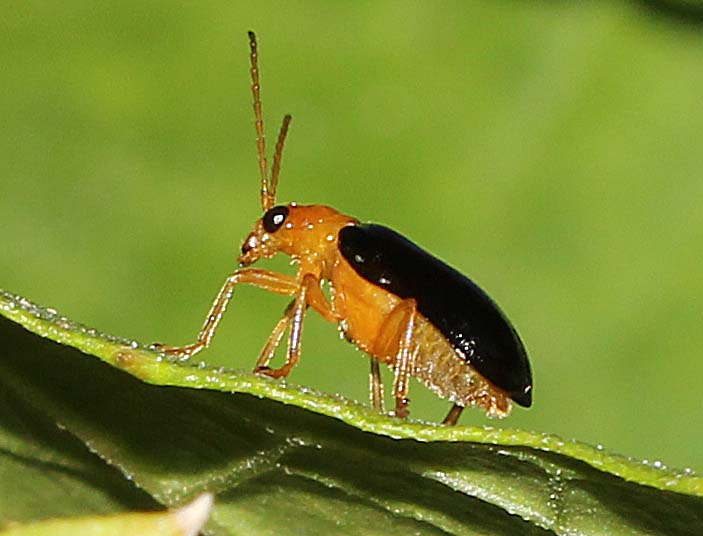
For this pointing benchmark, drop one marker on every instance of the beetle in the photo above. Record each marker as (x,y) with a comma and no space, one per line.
(393,300)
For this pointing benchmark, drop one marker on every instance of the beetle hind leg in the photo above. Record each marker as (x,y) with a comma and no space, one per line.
(453,416)
(396,345)
(376,386)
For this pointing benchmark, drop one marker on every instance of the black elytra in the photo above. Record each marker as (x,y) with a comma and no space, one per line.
(465,315)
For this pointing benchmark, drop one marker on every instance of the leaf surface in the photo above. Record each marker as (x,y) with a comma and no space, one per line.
(186,521)
(289,459)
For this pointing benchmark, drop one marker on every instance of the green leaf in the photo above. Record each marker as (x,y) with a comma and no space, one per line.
(288,459)
(186,521)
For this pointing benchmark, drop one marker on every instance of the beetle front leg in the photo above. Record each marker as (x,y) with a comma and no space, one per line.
(264,279)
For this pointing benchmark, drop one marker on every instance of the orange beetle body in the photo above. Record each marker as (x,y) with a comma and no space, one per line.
(369,307)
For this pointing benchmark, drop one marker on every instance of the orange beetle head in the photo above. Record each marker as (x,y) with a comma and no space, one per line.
(301,231)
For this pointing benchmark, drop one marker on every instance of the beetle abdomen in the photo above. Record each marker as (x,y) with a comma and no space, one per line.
(470,321)
(437,365)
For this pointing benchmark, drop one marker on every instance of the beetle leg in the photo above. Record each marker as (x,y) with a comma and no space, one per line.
(269,349)
(453,415)
(297,314)
(315,299)
(395,342)
(265,279)
(376,386)
(318,301)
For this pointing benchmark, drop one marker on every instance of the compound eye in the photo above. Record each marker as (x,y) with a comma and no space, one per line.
(274,218)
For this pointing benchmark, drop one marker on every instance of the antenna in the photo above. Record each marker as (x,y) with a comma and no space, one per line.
(260,142)
(268,186)
(278,155)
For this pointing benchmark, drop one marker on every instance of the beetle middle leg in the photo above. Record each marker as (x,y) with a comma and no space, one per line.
(395,342)
(274,340)
(315,299)
(307,294)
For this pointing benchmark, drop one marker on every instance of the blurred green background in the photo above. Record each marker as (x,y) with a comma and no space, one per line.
(553,151)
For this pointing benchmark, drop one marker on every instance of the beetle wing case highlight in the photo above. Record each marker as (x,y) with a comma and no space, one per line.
(471,321)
